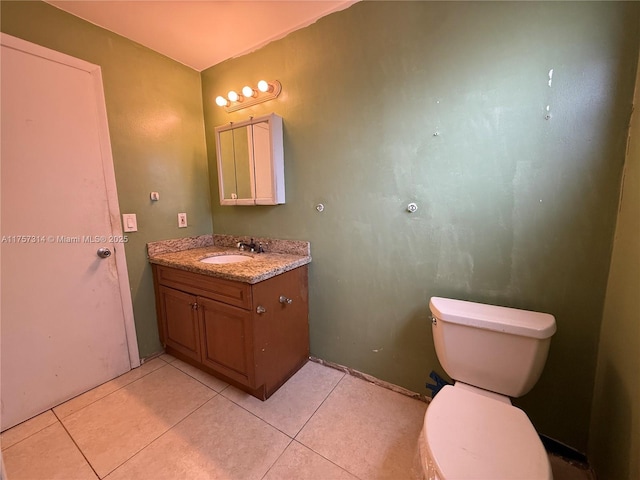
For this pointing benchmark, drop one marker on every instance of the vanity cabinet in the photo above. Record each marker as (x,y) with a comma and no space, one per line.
(252,336)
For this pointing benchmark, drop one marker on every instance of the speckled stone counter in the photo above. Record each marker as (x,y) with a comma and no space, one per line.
(185,254)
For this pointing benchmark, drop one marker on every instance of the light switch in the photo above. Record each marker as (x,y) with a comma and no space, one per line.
(129,222)
(182,220)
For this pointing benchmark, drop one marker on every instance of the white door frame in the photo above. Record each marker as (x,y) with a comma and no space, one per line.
(109,176)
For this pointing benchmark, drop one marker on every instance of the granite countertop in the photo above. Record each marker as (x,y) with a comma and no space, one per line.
(185,254)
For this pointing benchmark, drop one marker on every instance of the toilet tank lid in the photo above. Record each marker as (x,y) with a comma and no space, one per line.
(492,317)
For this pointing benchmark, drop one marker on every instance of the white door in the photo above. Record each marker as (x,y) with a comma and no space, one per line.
(67,319)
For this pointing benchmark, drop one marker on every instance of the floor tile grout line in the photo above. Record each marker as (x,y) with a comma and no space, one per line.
(291,440)
(76,444)
(318,408)
(271,425)
(295,439)
(201,382)
(4,449)
(105,396)
(59,417)
(166,361)
(126,385)
(255,415)
(328,459)
(161,435)
(345,376)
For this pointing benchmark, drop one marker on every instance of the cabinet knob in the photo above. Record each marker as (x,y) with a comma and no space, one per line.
(286,300)
(260,309)
(194,306)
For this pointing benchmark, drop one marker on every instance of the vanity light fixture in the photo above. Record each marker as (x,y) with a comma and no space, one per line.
(250,96)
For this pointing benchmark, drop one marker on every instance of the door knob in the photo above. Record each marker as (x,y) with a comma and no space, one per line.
(104,252)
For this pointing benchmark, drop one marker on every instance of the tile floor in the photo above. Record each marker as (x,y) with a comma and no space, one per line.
(168,420)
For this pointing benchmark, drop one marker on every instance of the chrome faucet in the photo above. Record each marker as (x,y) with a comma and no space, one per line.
(252,247)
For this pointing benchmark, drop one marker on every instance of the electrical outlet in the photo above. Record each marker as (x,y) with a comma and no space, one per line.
(182,220)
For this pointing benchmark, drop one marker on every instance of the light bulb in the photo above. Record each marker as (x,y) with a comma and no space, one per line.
(221,101)
(233,96)
(247,91)
(264,86)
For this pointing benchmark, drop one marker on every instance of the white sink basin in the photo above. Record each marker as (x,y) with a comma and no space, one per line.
(220,259)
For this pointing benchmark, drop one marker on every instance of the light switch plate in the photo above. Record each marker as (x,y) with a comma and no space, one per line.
(182,220)
(129,222)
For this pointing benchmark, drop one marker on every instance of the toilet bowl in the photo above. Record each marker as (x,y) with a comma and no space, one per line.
(471,430)
(471,436)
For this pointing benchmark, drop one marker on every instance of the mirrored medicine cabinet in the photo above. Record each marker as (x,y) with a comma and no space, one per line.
(250,160)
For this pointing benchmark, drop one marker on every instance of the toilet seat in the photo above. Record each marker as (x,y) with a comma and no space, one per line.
(471,436)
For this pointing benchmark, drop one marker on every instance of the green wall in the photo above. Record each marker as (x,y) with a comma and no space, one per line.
(514,209)
(154,107)
(614,437)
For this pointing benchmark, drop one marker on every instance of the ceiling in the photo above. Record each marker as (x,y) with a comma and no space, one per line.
(201,33)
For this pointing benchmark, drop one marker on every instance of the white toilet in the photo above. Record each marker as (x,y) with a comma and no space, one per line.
(471,430)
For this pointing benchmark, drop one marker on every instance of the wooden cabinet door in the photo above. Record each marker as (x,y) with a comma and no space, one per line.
(180,321)
(282,332)
(227,340)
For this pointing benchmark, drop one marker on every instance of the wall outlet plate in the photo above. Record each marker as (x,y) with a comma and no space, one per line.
(182,220)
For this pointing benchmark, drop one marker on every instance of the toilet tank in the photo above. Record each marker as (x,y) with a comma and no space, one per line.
(494,348)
